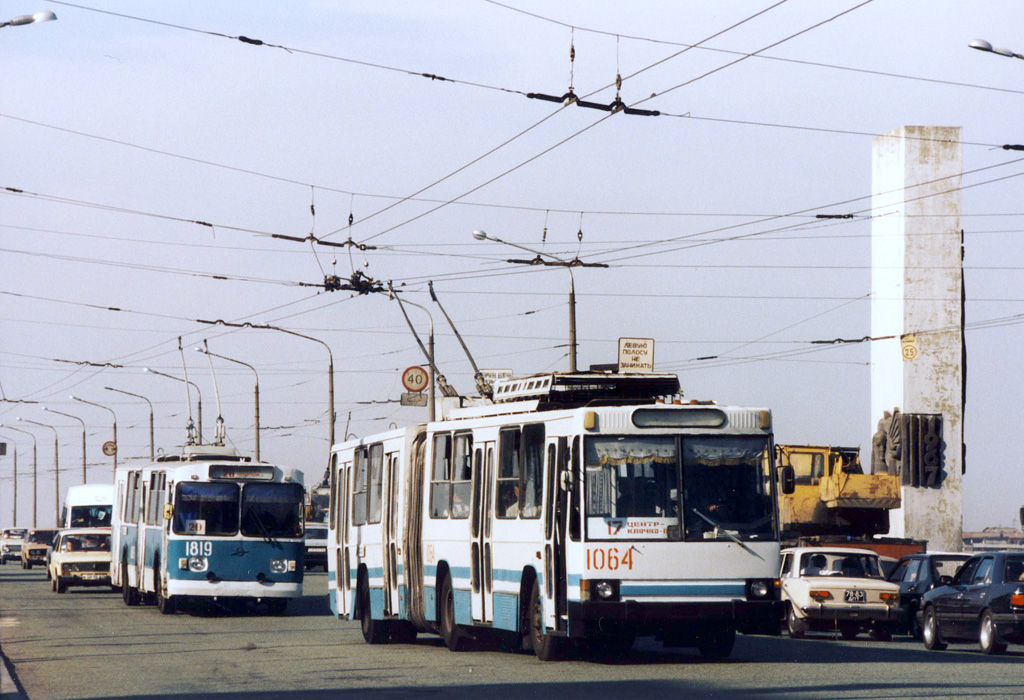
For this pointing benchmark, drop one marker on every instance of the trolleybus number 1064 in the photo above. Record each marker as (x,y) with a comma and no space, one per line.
(610,559)
(198,549)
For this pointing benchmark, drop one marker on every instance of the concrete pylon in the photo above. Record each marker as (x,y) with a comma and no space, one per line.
(917,300)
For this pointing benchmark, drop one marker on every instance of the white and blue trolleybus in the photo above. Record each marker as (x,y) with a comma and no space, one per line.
(573,507)
(208,524)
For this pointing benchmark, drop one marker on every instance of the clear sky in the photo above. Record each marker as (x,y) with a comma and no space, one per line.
(123,133)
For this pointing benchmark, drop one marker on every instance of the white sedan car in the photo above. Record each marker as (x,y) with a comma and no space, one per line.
(837,589)
(80,557)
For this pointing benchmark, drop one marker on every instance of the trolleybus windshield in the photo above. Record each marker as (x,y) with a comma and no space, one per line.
(272,510)
(633,487)
(203,508)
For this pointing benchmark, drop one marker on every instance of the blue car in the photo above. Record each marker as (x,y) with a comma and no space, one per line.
(983,603)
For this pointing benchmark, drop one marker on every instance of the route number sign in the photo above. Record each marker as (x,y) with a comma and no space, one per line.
(415,379)
(110,448)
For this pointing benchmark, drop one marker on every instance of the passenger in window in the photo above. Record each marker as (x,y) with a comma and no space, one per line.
(508,500)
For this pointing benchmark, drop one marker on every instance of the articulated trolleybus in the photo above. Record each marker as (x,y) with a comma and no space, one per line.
(207,524)
(574,507)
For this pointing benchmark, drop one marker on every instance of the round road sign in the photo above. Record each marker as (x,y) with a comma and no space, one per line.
(110,448)
(415,379)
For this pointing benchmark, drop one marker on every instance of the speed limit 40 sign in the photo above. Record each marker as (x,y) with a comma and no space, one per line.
(415,379)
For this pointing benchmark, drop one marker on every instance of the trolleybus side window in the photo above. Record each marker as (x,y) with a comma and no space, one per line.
(440,477)
(462,475)
(533,471)
(376,491)
(272,510)
(206,508)
(509,461)
(359,488)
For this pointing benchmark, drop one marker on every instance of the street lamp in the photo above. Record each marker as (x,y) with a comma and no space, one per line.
(68,415)
(105,408)
(982,45)
(199,401)
(554,262)
(56,467)
(152,444)
(35,468)
(14,448)
(206,351)
(29,19)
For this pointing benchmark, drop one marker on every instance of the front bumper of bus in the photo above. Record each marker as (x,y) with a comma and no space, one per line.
(219,588)
(751,617)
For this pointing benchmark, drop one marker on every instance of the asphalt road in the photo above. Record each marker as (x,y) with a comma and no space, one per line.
(87,644)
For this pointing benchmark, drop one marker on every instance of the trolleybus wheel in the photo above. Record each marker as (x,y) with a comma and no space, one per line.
(453,637)
(165,604)
(716,641)
(546,646)
(128,594)
(374,631)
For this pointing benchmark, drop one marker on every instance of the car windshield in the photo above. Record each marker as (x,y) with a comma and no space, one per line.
(272,510)
(849,564)
(90,516)
(42,536)
(633,487)
(206,508)
(14,534)
(85,543)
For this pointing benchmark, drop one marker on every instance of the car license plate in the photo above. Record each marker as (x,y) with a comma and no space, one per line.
(855,595)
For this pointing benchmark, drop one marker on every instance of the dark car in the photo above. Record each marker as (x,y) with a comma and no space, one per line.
(984,603)
(316,546)
(917,574)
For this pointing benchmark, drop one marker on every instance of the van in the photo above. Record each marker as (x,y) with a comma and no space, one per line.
(87,505)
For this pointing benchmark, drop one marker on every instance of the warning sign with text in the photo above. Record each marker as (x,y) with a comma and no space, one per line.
(636,354)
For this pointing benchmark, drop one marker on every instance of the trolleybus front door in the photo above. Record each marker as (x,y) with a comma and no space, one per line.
(480,531)
(391,540)
(558,484)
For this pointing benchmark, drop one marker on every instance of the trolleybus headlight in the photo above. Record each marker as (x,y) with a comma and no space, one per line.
(761,589)
(198,564)
(280,566)
(603,590)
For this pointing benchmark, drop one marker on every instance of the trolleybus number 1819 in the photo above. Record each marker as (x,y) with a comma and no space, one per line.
(609,559)
(198,549)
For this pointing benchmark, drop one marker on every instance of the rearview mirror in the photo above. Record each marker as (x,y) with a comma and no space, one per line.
(788,480)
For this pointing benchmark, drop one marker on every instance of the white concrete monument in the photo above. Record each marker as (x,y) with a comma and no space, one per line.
(917,305)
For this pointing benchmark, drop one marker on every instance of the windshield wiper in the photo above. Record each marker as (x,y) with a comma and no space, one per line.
(721,530)
(264,531)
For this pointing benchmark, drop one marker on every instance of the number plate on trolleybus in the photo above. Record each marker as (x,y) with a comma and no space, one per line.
(855,595)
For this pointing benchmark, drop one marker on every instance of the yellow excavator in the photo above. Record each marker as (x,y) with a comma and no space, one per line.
(832,496)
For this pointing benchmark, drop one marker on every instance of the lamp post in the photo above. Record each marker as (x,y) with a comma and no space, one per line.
(199,401)
(982,45)
(14,448)
(29,19)
(554,262)
(152,443)
(56,468)
(35,468)
(105,408)
(68,415)
(206,351)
